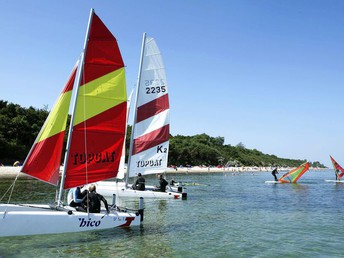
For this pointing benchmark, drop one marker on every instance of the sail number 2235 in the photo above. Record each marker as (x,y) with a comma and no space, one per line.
(155,86)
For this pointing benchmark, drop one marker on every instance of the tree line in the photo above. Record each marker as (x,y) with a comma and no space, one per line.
(20,126)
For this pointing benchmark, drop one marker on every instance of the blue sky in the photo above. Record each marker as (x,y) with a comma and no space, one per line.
(265,73)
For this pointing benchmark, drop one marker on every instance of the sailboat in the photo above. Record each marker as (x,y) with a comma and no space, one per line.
(94,145)
(338,170)
(149,143)
(293,175)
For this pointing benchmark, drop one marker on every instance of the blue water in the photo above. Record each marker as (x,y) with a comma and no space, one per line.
(227,216)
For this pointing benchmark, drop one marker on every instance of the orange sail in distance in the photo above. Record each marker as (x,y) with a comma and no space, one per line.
(295,174)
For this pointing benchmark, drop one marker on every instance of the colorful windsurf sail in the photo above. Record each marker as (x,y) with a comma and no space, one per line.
(99,120)
(295,174)
(150,134)
(338,170)
(44,159)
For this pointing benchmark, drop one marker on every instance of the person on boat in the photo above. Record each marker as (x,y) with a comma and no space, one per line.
(274,172)
(75,198)
(139,183)
(163,183)
(172,181)
(93,200)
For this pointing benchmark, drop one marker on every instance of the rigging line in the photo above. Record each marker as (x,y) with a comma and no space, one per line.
(15,180)
(9,188)
(9,198)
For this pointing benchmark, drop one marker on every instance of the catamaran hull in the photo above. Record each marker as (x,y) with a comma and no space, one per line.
(17,220)
(108,189)
(130,193)
(333,181)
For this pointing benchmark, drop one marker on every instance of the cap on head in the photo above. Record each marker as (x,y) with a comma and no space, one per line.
(139,174)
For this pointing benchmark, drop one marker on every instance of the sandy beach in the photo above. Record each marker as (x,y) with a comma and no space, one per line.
(12,172)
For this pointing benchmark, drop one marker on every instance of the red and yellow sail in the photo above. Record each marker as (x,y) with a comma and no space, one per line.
(295,174)
(44,159)
(100,115)
(337,169)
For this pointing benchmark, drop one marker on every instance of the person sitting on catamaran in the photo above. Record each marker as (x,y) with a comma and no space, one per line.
(163,183)
(75,197)
(140,183)
(274,172)
(92,200)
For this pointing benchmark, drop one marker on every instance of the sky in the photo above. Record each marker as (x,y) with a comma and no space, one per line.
(265,73)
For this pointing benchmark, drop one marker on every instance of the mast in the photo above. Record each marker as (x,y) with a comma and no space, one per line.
(78,80)
(135,109)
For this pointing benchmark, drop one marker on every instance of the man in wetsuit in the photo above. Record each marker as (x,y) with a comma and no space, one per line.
(163,183)
(92,200)
(274,172)
(140,183)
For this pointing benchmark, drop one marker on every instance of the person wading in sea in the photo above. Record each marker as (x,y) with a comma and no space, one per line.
(274,172)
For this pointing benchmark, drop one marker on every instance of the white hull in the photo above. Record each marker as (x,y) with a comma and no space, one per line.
(334,181)
(273,182)
(108,189)
(20,220)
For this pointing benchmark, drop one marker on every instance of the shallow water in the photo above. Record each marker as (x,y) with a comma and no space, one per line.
(227,216)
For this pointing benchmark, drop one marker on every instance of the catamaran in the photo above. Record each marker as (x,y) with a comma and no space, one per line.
(94,145)
(149,143)
(338,171)
(293,175)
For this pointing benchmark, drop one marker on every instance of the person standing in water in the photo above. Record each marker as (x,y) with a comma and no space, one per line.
(274,172)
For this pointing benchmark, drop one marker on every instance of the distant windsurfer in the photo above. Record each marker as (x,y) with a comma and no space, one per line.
(337,173)
(274,172)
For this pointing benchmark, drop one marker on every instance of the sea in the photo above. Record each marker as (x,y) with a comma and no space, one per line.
(225,215)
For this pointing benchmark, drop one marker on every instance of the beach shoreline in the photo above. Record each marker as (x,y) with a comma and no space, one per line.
(12,172)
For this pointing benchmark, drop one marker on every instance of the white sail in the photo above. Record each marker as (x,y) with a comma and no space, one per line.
(149,143)
(150,135)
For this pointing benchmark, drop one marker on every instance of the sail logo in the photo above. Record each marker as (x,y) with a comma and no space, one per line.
(149,163)
(99,157)
(88,223)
